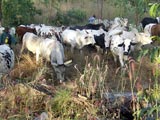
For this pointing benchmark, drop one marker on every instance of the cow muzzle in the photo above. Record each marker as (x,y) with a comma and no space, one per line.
(125,53)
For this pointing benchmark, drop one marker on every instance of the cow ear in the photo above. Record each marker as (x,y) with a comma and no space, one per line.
(120,45)
(87,32)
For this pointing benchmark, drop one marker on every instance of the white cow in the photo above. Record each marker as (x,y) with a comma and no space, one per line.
(50,49)
(32,43)
(76,38)
(119,24)
(117,48)
(7,59)
(140,38)
(123,44)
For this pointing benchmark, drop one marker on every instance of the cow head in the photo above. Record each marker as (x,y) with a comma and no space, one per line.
(88,39)
(127,46)
(60,70)
(144,38)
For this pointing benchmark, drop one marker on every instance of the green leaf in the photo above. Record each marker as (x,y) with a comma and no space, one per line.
(154,9)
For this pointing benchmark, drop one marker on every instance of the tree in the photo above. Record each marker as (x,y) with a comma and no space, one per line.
(15,12)
(0,10)
(138,7)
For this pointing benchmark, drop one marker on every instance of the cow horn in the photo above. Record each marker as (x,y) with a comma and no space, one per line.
(68,62)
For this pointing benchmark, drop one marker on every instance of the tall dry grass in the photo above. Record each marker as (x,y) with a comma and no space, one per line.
(90,76)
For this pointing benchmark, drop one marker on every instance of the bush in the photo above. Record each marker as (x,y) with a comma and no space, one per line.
(73,16)
(18,12)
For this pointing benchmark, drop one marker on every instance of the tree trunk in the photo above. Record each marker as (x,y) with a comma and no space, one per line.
(101,9)
(0,10)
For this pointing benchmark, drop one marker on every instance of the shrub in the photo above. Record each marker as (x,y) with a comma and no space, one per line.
(18,12)
(73,16)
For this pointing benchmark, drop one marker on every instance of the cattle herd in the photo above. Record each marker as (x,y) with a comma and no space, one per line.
(117,36)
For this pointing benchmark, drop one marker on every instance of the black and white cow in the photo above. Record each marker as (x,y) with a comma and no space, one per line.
(7,59)
(147,20)
(100,36)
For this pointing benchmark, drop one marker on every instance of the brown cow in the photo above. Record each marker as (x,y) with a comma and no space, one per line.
(21,30)
(155,30)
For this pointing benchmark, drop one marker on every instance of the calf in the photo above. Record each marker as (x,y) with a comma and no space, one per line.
(7,59)
(50,49)
(117,49)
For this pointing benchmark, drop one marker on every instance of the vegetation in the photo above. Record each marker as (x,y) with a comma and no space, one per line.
(31,89)
(18,12)
(74,16)
(25,12)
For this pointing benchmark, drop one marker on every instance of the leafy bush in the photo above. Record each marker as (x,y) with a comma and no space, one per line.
(73,16)
(154,9)
(18,12)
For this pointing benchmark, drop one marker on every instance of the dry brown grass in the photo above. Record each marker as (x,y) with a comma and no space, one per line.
(90,75)
(25,67)
(21,101)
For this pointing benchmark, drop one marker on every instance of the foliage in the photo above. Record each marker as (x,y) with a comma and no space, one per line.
(138,7)
(91,82)
(151,97)
(154,9)
(17,12)
(73,16)
(150,107)
(66,105)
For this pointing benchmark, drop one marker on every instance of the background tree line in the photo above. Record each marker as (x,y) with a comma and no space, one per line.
(66,12)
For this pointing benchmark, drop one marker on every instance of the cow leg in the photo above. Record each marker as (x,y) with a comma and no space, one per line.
(121,60)
(115,58)
(22,49)
(37,56)
(72,49)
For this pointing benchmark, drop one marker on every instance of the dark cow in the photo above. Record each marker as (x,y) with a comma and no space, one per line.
(148,20)
(99,42)
(21,30)
(89,26)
